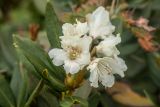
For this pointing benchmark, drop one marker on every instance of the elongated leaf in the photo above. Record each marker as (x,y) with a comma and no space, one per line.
(94,100)
(154,69)
(27,65)
(41,102)
(33,51)
(135,66)
(51,100)
(41,62)
(6,95)
(35,93)
(19,85)
(53,26)
(6,45)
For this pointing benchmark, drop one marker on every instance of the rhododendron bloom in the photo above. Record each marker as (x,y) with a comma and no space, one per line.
(74,55)
(103,70)
(90,45)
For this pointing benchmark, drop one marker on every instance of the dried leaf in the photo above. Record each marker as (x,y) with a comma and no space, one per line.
(123,94)
(147,44)
(33,30)
(140,22)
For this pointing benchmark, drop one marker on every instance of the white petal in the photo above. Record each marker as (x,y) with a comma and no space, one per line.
(107,46)
(68,29)
(57,62)
(108,80)
(102,31)
(71,67)
(100,17)
(112,40)
(58,56)
(122,65)
(94,72)
(94,77)
(83,60)
(69,41)
(106,51)
(75,41)
(81,28)
(99,23)
(117,64)
(93,64)
(78,29)
(85,43)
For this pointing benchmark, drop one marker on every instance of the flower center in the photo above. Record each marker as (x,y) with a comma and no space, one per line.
(74,52)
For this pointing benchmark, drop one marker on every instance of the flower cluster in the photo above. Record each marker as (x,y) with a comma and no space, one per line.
(90,45)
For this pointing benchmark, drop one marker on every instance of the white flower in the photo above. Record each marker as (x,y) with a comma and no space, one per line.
(74,55)
(99,23)
(103,70)
(107,47)
(77,30)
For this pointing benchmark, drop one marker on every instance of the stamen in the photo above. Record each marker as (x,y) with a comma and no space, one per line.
(74,52)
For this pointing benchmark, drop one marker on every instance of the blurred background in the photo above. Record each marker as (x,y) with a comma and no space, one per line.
(138,22)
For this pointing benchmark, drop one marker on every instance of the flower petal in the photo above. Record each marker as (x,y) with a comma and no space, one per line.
(85,43)
(117,64)
(83,60)
(68,29)
(112,40)
(78,29)
(94,77)
(99,23)
(71,67)
(58,56)
(108,80)
(107,47)
(81,28)
(107,51)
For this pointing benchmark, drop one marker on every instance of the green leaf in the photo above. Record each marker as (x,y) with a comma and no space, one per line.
(154,69)
(94,99)
(41,62)
(6,46)
(19,85)
(135,66)
(69,101)
(50,99)
(53,26)
(106,101)
(151,98)
(6,95)
(41,102)
(35,93)
(26,64)
(126,36)
(128,49)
